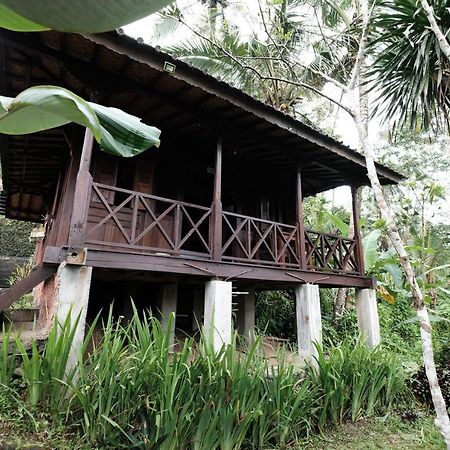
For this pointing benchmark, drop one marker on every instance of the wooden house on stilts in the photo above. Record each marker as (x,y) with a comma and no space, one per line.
(217,207)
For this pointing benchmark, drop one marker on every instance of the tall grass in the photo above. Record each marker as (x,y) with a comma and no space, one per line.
(7,362)
(44,370)
(355,381)
(129,391)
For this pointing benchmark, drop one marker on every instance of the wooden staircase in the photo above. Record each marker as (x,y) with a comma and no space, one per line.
(16,291)
(22,322)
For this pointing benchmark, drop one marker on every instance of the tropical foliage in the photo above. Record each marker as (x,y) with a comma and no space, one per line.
(410,72)
(131,391)
(15,238)
(78,16)
(43,107)
(268,63)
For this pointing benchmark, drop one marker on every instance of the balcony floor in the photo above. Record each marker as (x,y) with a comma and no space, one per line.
(160,267)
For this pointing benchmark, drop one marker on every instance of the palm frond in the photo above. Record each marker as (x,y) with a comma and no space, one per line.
(410,74)
(166,26)
(202,54)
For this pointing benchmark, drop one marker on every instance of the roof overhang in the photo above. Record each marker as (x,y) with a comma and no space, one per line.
(117,70)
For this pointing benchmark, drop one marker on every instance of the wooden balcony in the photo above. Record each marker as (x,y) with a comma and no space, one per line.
(132,222)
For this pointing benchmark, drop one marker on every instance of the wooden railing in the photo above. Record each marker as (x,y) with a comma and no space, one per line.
(330,252)
(146,223)
(247,239)
(135,222)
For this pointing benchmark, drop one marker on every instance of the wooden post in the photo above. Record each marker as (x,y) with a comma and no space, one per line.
(82,193)
(216,234)
(357,234)
(299,218)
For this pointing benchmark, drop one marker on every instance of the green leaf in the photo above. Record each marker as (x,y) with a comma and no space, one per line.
(44,107)
(75,16)
(12,21)
(396,274)
(370,244)
(337,222)
(123,134)
(433,269)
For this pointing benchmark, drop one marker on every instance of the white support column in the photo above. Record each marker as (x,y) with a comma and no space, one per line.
(309,320)
(218,306)
(169,296)
(197,310)
(367,310)
(245,319)
(72,296)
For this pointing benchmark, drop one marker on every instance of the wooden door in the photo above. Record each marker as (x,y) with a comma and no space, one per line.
(104,172)
(144,181)
(144,177)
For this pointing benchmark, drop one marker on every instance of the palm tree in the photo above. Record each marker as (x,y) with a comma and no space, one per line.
(243,61)
(259,63)
(410,73)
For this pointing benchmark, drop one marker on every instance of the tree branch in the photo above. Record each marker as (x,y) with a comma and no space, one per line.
(268,78)
(443,44)
(366,16)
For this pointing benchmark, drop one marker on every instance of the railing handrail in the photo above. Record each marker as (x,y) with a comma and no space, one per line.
(150,196)
(275,245)
(336,236)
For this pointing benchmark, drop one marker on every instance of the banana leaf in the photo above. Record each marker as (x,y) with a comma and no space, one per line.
(44,107)
(13,21)
(370,248)
(74,16)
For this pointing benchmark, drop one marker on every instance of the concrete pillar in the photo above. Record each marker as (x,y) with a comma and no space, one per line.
(245,320)
(218,306)
(169,296)
(72,295)
(309,320)
(367,310)
(197,309)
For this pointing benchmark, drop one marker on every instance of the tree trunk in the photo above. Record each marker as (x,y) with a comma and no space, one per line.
(361,118)
(340,304)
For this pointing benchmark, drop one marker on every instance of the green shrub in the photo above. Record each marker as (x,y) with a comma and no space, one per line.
(7,362)
(15,238)
(421,388)
(275,314)
(21,272)
(130,391)
(44,370)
